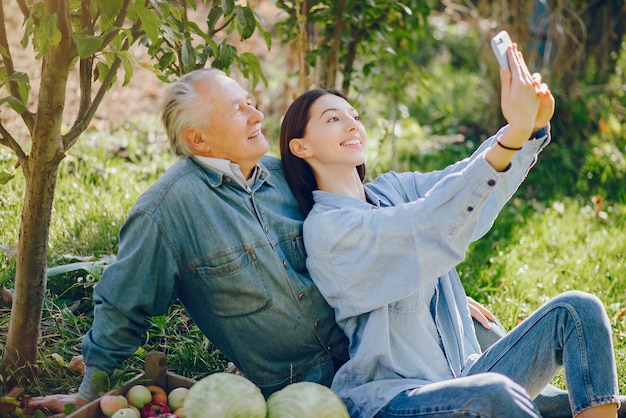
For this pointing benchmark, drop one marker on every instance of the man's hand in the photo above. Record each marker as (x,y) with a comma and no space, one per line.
(56,403)
(480,313)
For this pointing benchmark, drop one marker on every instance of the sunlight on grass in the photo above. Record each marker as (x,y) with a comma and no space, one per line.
(565,247)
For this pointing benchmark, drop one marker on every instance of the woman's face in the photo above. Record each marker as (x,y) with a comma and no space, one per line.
(333,135)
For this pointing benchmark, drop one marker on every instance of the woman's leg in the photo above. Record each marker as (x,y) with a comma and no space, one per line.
(570,331)
(479,396)
(552,402)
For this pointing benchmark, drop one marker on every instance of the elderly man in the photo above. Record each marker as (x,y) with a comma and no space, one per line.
(220,231)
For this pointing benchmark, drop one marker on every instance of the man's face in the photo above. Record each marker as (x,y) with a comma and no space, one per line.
(234,124)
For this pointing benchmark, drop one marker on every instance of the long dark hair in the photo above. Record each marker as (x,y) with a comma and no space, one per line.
(299,174)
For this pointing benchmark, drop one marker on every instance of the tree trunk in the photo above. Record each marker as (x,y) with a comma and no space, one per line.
(40,173)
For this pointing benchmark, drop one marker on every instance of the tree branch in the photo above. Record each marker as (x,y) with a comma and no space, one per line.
(27,116)
(70,138)
(7,140)
(119,21)
(85,67)
(25,8)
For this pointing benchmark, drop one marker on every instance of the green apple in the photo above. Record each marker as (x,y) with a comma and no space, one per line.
(126,413)
(176,397)
(138,396)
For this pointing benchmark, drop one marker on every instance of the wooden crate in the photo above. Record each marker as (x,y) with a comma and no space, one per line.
(155,374)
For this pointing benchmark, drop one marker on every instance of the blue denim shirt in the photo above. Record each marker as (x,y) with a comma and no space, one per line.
(387,267)
(235,260)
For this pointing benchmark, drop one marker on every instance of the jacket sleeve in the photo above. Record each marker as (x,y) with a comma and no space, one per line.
(138,284)
(367,258)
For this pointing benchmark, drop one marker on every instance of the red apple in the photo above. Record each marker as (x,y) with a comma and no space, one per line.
(154,409)
(111,403)
(158,394)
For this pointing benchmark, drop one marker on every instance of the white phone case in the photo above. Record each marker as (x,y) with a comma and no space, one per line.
(499,44)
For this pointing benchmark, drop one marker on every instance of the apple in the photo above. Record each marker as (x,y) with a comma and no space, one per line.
(154,409)
(134,408)
(126,413)
(177,397)
(180,412)
(158,394)
(138,396)
(111,403)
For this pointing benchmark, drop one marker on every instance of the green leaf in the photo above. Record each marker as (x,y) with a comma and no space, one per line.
(226,55)
(149,21)
(188,57)
(100,380)
(5,177)
(87,44)
(245,22)
(110,8)
(127,63)
(47,34)
(251,68)
(69,408)
(214,14)
(228,6)
(15,103)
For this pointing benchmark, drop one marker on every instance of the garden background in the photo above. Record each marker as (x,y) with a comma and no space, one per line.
(425,83)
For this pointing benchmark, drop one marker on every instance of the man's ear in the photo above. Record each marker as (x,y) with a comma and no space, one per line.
(298,148)
(195,139)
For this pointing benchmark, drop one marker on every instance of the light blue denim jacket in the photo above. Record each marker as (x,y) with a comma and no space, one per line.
(387,267)
(235,260)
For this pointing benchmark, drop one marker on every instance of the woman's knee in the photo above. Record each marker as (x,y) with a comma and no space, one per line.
(499,391)
(585,305)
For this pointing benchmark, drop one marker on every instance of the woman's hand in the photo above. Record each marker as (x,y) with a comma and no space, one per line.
(480,313)
(546,105)
(521,97)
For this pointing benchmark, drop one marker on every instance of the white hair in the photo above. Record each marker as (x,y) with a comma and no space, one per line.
(179,109)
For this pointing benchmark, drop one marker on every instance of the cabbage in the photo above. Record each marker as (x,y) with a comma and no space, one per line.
(306,400)
(224,395)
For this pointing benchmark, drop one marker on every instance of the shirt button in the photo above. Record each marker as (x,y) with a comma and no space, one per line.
(284,264)
(301,295)
(228,179)
(316,324)
(470,208)
(491,182)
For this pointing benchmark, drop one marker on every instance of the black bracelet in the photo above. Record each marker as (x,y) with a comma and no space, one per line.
(509,148)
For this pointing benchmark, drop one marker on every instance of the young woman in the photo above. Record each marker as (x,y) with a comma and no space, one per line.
(384,255)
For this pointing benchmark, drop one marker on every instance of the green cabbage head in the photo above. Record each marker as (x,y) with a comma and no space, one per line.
(306,400)
(224,395)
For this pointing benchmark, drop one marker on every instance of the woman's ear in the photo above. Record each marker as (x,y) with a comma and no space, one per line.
(298,147)
(194,138)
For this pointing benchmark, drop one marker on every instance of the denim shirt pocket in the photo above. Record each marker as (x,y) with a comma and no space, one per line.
(232,284)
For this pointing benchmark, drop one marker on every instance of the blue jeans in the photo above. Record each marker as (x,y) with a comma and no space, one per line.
(570,331)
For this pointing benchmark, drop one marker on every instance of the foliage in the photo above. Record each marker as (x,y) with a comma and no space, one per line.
(179,45)
(350,37)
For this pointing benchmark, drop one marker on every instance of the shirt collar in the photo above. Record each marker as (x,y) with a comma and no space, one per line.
(230,169)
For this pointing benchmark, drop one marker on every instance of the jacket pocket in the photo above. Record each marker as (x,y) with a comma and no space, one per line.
(232,284)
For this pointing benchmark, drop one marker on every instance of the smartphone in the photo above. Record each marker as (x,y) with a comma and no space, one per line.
(499,44)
